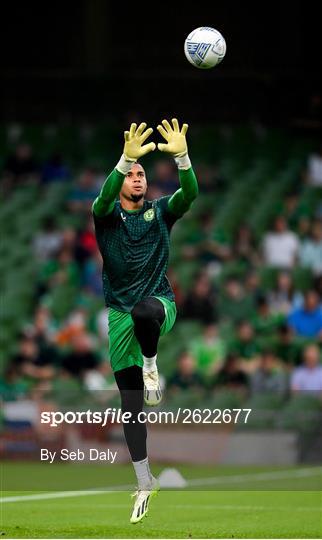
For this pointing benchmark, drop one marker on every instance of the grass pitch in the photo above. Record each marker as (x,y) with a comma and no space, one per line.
(230,506)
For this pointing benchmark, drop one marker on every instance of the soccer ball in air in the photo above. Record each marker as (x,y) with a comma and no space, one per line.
(205,47)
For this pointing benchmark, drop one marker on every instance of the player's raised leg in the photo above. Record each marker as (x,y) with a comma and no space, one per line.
(148,316)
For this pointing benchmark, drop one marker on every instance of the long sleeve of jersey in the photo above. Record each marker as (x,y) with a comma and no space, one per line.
(111,188)
(182,199)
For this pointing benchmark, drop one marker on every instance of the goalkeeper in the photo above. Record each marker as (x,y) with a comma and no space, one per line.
(133,237)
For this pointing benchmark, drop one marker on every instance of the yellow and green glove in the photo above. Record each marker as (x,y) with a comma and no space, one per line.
(176,142)
(134,147)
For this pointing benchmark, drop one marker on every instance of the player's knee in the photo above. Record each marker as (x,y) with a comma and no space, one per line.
(141,311)
(148,309)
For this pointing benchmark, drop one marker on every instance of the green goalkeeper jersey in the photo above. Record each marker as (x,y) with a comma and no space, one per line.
(135,247)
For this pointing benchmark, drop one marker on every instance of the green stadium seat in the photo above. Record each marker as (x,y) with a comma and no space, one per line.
(183,399)
(223,399)
(302,412)
(265,409)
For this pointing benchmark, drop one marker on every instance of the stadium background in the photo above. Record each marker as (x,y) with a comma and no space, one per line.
(75,74)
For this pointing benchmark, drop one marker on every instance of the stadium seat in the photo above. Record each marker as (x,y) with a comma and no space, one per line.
(303,413)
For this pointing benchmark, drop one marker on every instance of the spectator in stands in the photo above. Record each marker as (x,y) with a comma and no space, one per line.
(318,211)
(84,363)
(21,165)
(270,377)
(84,192)
(48,241)
(42,331)
(280,246)
(208,350)
(85,245)
(199,303)
(61,270)
(266,322)
(310,255)
(308,376)
(244,346)
(186,376)
(231,376)
(314,169)
(30,362)
(101,326)
(285,348)
(294,209)
(304,228)
(306,321)
(253,286)
(69,238)
(290,208)
(214,244)
(176,286)
(233,303)
(66,250)
(317,285)
(92,274)
(283,297)
(75,324)
(12,385)
(55,170)
(244,247)
(70,244)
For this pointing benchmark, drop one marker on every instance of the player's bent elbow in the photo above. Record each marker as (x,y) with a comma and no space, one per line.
(192,195)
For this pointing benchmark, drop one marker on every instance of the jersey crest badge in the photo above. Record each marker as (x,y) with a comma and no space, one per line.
(149,214)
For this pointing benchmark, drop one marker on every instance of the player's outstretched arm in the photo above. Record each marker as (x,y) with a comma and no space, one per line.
(133,150)
(176,145)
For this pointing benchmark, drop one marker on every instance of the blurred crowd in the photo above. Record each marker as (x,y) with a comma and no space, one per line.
(252,339)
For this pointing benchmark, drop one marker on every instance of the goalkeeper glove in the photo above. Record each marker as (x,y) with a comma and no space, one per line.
(176,139)
(134,140)
(176,142)
(134,147)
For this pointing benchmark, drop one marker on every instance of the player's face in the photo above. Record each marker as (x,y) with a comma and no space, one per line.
(134,185)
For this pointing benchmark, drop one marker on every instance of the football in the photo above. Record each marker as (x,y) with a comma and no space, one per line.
(205,47)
